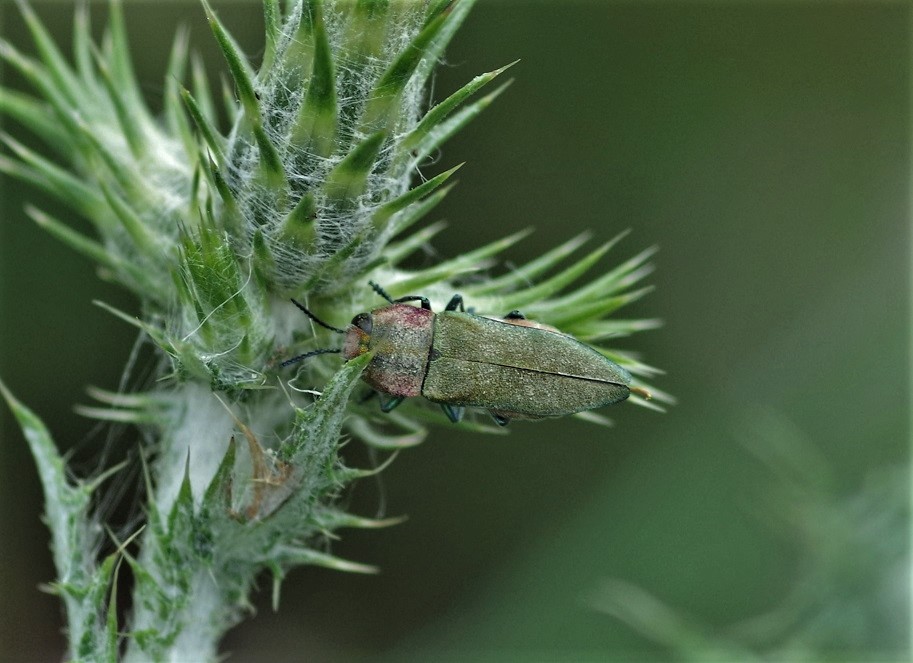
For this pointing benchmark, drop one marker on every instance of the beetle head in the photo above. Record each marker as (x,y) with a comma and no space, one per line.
(358,336)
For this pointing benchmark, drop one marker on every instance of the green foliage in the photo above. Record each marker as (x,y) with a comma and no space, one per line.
(307,193)
(83,584)
(843,603)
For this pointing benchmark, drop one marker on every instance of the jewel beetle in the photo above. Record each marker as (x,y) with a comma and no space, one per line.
(512,367)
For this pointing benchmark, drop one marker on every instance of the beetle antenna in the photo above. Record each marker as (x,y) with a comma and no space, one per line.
(295,360)
(318,320)
(380,291)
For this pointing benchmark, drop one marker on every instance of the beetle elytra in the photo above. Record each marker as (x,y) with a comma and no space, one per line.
(512,367)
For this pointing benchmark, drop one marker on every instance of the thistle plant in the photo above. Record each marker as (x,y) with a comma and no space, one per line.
(309,190)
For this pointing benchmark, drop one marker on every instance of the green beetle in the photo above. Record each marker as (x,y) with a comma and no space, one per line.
(513,367)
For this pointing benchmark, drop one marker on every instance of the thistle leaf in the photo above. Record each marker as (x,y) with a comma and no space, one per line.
(202,93)
(118,54)
(75,240)
(336,519)
(523,276)
(230,216)
(417,211)
(82,46)
(35,116)
(141,235)
(298,227)
(264,262)
(154,333)
(111,631)
(270,163)
(399,251)
(314,558)
(53,179)
(541,291)
(450,269)
(455,12)
(347,180)
(216,503)
(324,420)
(122,171)
(38,77)
(237,65)
(73,535)
(207,131)
(315,128)
(434,136)
(181,518)
(366,30)
(564,315)
(624,276)
(441,111)
(379,115)
(594,331)
(175,119)
(55,63)
(272,16)
(385,212)
(119,98)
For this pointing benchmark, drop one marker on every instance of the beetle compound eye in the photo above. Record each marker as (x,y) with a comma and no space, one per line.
(364,322)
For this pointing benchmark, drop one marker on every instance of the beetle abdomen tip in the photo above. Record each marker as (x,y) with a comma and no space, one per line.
(640,391)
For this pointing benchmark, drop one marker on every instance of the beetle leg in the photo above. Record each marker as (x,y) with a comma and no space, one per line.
(389,405)
(453,412)
(409,298)
(415,298)
(455,301)
(500,419)
(515,315)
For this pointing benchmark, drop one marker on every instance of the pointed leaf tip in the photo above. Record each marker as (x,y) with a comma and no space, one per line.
(315,127)
(298,226)
(394,79)
(218,494)
(237,64)
(331,562)
(207,131)
(442,110)
(426,138)
(347,180)
(382,216)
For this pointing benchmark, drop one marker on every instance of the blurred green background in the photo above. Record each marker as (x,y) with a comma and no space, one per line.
(765,148)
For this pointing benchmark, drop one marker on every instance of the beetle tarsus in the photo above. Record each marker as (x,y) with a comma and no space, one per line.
(515,315)
(455,301)
(500,419)
(453,412)
(426,304)
(388,406)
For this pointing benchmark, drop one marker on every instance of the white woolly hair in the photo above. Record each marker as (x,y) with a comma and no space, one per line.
(281,91)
